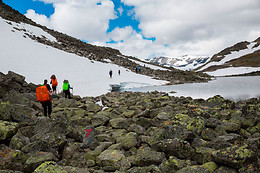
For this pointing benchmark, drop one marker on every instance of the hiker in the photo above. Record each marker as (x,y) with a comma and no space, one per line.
(119,72)
(54,84)
(43,95)
(66,88)
(139,69)
(110,73)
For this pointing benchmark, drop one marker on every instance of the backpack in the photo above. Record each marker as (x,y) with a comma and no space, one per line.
(42,93)
(66,86)
(54,82)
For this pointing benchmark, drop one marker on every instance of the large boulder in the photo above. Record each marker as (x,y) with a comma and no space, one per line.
(112,160)
(18,141)
(11,159)
(129,140)
(51,167)
(7,129)
(235,156)
(174,147)
(6,111)
(36,159)
(146,156)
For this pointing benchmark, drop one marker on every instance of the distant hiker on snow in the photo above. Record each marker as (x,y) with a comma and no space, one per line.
(66,88)
(119,72)
(54,84)
(110,73)
(43,96)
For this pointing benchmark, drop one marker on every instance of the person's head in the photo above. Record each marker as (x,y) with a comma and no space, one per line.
(45,81)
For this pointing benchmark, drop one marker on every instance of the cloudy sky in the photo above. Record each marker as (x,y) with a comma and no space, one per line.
(148,28)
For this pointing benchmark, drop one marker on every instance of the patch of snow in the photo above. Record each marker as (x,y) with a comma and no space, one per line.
(233,71)
(37,62)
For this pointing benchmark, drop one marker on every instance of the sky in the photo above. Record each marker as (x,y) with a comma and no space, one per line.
(148,28)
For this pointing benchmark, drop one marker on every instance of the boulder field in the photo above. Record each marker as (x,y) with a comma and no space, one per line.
(131,132)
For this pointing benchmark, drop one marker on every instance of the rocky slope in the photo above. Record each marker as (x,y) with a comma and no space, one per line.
(133,132)
(231,57)
(76,46)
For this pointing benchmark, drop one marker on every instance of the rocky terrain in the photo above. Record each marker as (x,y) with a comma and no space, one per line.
(133,133)
(92,52)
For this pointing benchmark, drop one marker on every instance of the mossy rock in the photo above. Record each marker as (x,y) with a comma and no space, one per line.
(144,169)
(36,159)
(208,134)
(11,159)
(5,111)
(181,119)
(235,156)
(196,125)
(203,154)
(7,129)
(128,113)
(194,169)
(230,127)
(51,167)
(146,157)
(211,166)
(174,147)
(18,141)
(100,118)
(174,164)
(92,107)
(119,123)
(113,160)
(129,140)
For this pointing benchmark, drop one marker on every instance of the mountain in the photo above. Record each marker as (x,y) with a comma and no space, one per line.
(241,58)
(37,52)
(185,62)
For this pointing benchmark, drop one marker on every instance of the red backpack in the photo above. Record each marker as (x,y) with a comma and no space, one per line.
(42,93)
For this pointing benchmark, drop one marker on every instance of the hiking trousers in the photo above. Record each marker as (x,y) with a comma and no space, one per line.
(67,93)
(47,107)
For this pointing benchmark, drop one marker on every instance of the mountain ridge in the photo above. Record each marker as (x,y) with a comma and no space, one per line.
(76,46)
(185,62)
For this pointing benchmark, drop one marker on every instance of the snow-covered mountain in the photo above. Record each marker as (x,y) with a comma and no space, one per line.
(21,53)
(186,62)
(242,58)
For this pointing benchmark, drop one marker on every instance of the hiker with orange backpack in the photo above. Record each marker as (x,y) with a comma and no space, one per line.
(43,96)
(54,83)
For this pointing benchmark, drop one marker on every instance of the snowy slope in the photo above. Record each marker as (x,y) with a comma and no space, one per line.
(232,70)
(186,62)
(37,62)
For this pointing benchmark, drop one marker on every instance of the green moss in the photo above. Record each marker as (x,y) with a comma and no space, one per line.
(196,125)
(50,167)
(211,166)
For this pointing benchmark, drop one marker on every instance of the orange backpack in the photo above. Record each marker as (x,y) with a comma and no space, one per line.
(54,82)
(42,93)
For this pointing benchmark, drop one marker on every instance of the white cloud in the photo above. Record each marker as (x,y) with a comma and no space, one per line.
(84,19)
(198,24)
(188,27)
(38,17)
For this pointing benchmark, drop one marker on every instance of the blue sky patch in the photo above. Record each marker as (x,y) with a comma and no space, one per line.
(38,6)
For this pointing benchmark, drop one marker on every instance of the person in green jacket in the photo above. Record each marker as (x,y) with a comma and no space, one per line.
(66,88)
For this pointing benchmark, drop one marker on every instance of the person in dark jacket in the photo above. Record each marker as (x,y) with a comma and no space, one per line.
(110,73)
(47,105)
